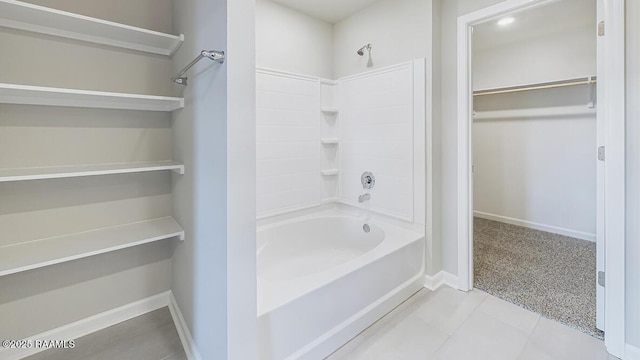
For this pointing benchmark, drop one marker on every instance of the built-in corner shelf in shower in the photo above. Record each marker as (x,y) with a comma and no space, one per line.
(44,20)
(329,172)
(329,141)
(54,250)
(329,110)
(57,172)
(39,95)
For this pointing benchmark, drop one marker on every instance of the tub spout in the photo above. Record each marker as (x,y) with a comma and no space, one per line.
(364,197)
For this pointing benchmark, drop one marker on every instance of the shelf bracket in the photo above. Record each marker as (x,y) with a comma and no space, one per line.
(179,171)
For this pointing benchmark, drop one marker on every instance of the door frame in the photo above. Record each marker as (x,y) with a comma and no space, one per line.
(613,109)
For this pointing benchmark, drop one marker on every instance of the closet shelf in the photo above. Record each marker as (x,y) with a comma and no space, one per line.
(38,95)
(329,110)
(558,111)
(40,19)
(329,141)
(590,80)
(44,252)
(56,172)
(329,172)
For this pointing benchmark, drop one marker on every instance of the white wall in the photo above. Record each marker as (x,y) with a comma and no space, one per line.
(377,127)
(450,10)
(214,270)
(291,41)
(565,55)
(399,31)
(537,172)
(288,142)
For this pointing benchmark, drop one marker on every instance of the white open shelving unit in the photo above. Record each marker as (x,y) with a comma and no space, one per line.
(32,254)
(329,140)
(40,19)
(58,172)
(39,253)
(39,95)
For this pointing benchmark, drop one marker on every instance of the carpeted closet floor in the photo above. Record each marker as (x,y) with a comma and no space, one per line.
(550,274)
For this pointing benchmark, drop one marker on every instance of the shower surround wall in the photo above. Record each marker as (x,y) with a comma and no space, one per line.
(304,54)
(287,142)
(382,130)
(379,126)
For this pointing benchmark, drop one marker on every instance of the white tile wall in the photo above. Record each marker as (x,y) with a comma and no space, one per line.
(288,142)
(376,130)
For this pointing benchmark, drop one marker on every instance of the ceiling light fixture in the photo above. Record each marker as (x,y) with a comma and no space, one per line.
(506,21)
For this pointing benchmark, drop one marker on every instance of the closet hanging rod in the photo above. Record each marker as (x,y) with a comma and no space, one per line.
(550,85)
(217,56)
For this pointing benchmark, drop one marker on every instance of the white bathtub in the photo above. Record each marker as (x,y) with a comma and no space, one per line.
(322,279)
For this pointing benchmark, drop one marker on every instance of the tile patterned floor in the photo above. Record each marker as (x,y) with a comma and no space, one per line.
(452,325)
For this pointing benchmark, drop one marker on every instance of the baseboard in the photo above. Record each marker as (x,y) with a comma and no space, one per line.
(441,278)
(631,352)
(536,226)
(188,344)
(91,324)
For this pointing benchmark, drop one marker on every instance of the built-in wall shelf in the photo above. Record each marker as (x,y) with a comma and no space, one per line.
(329,110)
(38,95)
(548,112)
(589,80)
(44,20)
(39,253)
(56,172)
(329,141)
(329,172)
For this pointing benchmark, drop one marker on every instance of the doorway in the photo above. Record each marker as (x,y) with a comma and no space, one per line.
(610,82)
(535,177)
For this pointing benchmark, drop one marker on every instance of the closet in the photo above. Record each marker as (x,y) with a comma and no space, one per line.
(86,160)
(535,163)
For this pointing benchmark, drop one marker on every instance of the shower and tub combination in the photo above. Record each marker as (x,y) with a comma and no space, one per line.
(338,247)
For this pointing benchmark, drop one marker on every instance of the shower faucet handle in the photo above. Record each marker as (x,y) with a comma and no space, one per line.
(368,180)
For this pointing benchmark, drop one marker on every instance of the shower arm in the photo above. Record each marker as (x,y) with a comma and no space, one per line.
(217,56)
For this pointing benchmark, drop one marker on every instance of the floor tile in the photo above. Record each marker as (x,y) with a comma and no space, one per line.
(483,337)
(565,343)
(533,352)
(446,309)
(509,313)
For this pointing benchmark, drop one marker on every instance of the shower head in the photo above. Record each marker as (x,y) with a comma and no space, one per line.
(361,50)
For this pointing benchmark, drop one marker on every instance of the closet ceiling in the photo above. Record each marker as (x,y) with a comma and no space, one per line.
(330,11)
(556,17)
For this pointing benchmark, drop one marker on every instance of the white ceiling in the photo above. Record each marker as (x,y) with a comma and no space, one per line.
(555,17)
(330,11)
